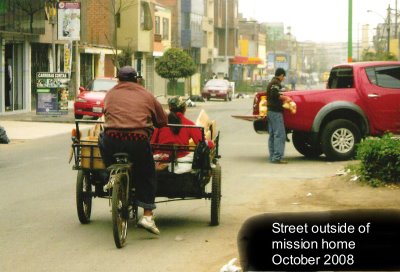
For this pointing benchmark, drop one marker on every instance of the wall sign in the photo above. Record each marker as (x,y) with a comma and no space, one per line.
(52,93)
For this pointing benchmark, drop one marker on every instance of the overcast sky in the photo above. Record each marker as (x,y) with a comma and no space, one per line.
(318,20)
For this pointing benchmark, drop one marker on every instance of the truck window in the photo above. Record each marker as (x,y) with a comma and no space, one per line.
(386,77)
(341,78)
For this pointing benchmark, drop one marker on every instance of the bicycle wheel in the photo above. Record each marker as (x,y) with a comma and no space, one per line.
(83,197)
(120,214)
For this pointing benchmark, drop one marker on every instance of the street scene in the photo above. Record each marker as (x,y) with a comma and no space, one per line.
(41,230)
(153,135)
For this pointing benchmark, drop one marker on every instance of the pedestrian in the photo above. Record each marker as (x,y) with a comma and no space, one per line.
(293,80)
(8,85)
(130,113)
(276,126)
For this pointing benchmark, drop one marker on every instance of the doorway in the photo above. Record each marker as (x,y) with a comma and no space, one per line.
(13,82)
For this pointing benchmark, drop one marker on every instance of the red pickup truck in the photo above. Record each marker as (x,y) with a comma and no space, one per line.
(360,99)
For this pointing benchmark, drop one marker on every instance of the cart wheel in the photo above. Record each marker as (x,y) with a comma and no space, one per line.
(136,214)
(83,197)
(120,213)
(216,195)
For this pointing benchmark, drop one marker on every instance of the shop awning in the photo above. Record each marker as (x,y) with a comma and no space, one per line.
(255,60)
(246,60)
(97,50)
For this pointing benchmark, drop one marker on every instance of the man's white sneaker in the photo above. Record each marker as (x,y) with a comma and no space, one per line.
(147,222)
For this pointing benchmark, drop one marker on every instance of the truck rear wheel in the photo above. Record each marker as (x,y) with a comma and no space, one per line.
(304,145)
(339,140)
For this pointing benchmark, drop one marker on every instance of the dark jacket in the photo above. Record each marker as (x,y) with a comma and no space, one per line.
(274,102)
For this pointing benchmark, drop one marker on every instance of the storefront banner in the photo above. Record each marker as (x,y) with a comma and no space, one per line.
(69,20)
(68,57)
(52,93)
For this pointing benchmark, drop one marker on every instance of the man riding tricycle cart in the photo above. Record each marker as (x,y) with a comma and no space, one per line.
(116,183)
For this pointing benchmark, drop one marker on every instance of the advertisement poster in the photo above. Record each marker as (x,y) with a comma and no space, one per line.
(52,93)
(69,21)
(68,57)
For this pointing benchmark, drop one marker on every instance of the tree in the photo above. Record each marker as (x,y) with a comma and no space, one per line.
(125,57)
(116,8)
(175,64)
(30,8)
(379,55)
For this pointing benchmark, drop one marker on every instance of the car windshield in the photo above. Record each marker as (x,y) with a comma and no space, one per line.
(216,83)
(99,85)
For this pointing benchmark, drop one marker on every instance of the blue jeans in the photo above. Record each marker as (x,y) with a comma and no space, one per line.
(144,174)
(277,135)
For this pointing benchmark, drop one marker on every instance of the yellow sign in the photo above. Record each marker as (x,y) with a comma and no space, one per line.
(67,57)
(280,58)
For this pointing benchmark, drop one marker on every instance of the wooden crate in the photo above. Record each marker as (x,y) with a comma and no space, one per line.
(90,153)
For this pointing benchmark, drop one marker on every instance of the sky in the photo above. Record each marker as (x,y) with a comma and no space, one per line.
(319,20)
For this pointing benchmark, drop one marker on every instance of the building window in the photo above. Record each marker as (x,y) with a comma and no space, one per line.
(146,22)
(165,30)
(157,26)
(186,20)
(21,16)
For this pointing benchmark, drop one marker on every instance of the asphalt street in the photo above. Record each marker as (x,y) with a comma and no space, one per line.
(41,231)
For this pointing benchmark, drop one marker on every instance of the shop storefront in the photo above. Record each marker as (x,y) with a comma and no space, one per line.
(15,88)
(18,26)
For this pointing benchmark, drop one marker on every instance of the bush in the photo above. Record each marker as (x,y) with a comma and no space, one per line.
(380,159)
(242,86)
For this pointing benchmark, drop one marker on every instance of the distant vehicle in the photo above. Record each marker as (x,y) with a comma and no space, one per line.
(314,78)
(217,88)
(90,100)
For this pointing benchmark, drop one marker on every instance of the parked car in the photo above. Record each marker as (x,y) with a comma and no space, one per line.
(90,100)
(217,88)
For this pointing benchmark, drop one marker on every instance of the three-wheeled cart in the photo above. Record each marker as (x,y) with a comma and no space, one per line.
(92,182)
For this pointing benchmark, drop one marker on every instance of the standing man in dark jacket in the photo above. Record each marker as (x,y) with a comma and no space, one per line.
(276,126)
(130,113)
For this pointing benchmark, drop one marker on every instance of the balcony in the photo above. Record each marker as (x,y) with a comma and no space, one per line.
(157,37)
(207,24)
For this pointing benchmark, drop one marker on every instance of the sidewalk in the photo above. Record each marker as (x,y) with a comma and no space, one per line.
(29,125)
(33,117)
(25,126)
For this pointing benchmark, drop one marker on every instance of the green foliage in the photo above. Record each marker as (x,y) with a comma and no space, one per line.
(174,64)
(243,86)
(124,58)
(380,160)
(380,55)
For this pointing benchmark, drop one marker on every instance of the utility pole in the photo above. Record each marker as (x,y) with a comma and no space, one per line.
(226,31)
(396,34)
(388,29)
(350,33)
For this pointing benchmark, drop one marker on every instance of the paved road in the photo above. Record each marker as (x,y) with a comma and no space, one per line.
(40,230)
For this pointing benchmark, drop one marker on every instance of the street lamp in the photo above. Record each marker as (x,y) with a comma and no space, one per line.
(386,24)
